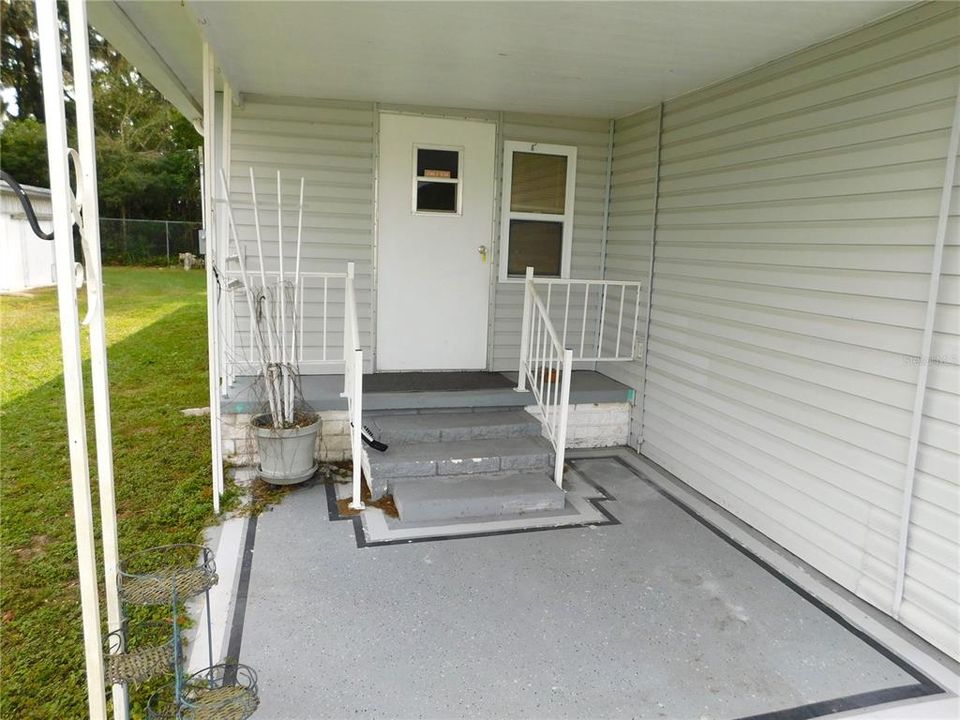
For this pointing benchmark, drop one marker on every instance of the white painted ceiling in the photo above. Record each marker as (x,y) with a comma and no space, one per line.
(598,59)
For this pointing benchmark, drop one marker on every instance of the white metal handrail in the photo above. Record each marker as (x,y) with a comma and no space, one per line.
(592,309)
(546,365)
(321,288)
(327,285)
(353,382)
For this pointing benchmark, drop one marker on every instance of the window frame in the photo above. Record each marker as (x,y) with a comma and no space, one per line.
(506,214)
(458,181)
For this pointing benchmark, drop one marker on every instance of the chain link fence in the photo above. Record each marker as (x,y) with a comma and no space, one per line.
(147,242)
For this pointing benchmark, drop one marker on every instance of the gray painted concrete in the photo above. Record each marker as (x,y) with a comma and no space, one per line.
(487,496)
(460,457)
(655,617)
(442,427)
(322,392)
(582,506)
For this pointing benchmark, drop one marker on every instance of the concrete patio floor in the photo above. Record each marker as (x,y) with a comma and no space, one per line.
(659,616)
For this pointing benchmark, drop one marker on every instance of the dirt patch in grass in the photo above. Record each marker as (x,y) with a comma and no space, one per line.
(37,546)
(385,503)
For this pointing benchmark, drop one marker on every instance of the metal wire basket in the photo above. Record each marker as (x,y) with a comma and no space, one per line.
(222,692)
(163,706)
(153,576)
(128,661)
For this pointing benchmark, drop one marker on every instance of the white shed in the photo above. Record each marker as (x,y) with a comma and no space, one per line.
(27,261)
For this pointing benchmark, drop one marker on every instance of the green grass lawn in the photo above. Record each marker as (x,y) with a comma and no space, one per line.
(156,328)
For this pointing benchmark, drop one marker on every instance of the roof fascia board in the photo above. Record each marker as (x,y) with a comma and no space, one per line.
(111,21)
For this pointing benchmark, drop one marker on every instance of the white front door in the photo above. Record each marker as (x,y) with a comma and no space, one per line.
(435,208)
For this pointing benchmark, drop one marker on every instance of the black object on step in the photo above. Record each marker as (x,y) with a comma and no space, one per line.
(370,440)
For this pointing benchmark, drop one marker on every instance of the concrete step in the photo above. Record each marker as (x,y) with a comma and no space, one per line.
(429,427)
(462,457)
(490,495)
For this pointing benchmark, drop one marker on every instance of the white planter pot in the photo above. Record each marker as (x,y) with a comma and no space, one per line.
(287,456)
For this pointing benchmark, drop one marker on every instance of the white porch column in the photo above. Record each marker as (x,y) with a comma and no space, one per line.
(208,183)
(83,95)
(48,30)
(227,320)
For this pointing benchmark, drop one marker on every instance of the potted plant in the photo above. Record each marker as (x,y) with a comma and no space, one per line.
(286,429)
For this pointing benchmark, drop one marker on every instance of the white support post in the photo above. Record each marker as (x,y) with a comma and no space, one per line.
(525,331)
(228,325)
(83,96)
(210,228)
(564,412)
(48,31)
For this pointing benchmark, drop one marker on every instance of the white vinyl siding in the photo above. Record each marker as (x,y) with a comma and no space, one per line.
(330,145)
(630,232)
(796,219)
(591,138)
(931,586)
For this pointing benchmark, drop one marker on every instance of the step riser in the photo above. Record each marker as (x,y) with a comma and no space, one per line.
(477,509)
(483,432)
(461,466)
(438,426)
(487,497)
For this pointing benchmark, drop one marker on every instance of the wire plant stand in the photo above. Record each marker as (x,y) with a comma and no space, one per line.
(130,660)
(165,576)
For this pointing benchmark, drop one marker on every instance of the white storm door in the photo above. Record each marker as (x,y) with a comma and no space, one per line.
(435,220)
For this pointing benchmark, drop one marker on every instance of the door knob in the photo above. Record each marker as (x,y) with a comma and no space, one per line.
(483,252)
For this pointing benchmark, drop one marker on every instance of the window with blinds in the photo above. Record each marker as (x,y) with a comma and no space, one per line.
(537,217)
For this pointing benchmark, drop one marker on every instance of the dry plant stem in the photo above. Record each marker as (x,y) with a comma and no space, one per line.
(247,292)
(296,275)
(277,361)
(282,310)
(273,388)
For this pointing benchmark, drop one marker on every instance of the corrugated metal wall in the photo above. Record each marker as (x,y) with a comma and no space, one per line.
(796,220)
(330,145)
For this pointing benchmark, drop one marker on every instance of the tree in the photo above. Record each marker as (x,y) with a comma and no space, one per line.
(147,157)
(20,58)
(23,152)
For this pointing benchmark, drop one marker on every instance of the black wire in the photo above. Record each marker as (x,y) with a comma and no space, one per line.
(27,206)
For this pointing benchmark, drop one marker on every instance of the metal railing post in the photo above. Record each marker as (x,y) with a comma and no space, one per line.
(563,415)
(166,228)
(356,411)
(353,383)
(525,331)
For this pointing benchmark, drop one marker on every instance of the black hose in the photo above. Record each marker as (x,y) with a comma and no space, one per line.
(27,206)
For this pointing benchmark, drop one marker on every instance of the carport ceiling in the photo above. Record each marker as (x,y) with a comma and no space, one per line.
(599,59)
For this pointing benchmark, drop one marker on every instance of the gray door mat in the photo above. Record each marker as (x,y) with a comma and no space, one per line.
(434,381)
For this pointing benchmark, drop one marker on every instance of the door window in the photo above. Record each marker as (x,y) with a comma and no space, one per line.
(437,181)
